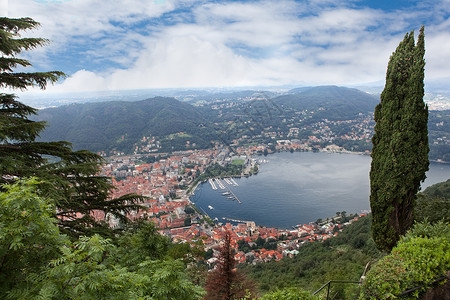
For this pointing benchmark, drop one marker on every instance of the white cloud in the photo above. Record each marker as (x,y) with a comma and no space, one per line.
(77,23)
(231,43)
(437,55)
(3,7)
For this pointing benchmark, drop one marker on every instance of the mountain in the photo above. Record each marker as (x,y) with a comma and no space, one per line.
(178,125)
(118,125)
(298,90)
(231,96)
(331,102)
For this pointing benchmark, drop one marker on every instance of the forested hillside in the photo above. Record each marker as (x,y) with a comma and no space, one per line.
(335,103)
(433,204)
(119,125)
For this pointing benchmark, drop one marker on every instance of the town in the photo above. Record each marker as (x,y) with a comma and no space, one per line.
(167,181)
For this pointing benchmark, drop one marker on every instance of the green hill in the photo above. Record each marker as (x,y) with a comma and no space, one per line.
(335,103)
(433,203)
(118,125)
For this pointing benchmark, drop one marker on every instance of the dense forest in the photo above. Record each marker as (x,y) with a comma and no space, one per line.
(433,203)
(119,125)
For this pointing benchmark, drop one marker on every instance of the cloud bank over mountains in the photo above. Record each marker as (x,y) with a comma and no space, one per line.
(132,44)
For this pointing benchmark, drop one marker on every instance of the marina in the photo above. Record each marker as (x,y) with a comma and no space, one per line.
(230,194)
(228,181)
(224,185)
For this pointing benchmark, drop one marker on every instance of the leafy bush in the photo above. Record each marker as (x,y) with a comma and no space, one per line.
(288,294)
(37,261)
(434,203)
(420,257)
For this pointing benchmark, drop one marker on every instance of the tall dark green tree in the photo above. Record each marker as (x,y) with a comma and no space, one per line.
(16,130)
(69,177)
(400,143)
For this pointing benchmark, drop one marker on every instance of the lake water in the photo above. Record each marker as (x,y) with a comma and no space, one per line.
(300,187)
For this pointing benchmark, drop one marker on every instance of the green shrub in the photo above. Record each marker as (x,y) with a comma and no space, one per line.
(421,256)
(291,293)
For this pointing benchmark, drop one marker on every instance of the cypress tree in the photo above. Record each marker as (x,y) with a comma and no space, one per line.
(69,177)
(400,143)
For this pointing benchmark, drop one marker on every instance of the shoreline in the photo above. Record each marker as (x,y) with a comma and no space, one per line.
(439,161)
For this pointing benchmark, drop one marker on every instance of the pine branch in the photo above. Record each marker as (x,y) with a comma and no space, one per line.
(7,64)
(14,25)
(25,80)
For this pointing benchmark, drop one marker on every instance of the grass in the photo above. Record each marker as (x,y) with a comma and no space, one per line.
(238,162)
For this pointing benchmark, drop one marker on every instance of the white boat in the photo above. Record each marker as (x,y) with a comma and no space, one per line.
(210,207)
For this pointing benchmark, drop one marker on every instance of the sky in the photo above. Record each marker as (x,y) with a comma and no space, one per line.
(113,45)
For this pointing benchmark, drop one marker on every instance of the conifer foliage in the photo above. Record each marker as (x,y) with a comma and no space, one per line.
(69,177)
(400,143)
(17,133)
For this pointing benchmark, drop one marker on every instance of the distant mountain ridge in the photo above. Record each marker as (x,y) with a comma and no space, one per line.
(117,125)
(108,125)
(336,102)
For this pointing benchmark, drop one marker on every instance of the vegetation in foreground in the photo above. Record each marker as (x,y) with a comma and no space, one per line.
(48,251)
(38,261)
(433,204)
(420,258)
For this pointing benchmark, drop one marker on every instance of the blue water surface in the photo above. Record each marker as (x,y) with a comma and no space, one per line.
(297,188)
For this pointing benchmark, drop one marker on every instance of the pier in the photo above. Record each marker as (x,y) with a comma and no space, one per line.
(220,183)
(230,181)
(233,220)
(227,180)
(205,213)
(223,185)
(231,192)
(211,182)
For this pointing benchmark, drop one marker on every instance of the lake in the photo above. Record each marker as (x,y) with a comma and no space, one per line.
(297,188)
